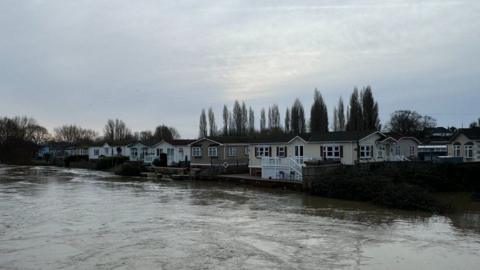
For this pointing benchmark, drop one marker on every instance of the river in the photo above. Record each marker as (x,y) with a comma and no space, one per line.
(55,218)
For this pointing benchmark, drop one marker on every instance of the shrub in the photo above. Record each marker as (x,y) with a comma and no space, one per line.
(106,163)
(129,169)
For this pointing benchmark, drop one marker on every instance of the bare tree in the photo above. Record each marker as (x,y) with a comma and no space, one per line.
(226,117)
(73,134)
(288,120)
(409,122)
(263,124)
(116,130)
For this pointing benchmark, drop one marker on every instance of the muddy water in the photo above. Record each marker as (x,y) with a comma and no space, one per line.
(54,218)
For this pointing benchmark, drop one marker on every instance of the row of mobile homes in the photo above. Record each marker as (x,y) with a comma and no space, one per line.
(108,149)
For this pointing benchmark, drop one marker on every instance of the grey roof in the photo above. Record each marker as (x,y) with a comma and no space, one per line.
(340,136)
(471,133)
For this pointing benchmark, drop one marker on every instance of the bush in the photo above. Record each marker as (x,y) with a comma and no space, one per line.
(106,163)
(129,169)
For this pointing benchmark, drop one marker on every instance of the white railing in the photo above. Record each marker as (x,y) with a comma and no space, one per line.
(287,168)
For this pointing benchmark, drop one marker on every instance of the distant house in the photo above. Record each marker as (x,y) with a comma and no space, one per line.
(142,151)
(108,149)
(405,146)
(277,156)
(351,147)
(465,143)
(434,143)
(176,150)
(219,151)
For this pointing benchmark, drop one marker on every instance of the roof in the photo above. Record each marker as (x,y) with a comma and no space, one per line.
(471,133)
(180,141)
(146,143)
(341,136)
(398,136)
(259,138)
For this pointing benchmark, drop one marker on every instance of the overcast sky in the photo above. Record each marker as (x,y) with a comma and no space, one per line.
(150,62)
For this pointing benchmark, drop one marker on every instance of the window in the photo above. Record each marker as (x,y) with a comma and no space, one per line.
(212,151)
(134,152)
(180,150)
(299,150)
(282,151)
(468,151)
(397,150)
(232,151)
(456,150)
(196,151)
(262,151)
(332,151)
(365,151)
(246,150)
(158,152)
(170,151)
(412,150)
(96,152)
(106,150)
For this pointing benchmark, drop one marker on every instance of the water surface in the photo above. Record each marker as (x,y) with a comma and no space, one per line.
(54,218)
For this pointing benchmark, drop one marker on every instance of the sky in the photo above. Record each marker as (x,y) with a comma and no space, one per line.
(151,62)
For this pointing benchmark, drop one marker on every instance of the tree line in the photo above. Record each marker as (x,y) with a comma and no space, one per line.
(360,114)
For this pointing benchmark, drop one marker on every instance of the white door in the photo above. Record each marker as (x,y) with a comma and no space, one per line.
(298,153)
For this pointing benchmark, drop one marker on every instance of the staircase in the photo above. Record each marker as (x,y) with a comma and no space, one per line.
(283,168)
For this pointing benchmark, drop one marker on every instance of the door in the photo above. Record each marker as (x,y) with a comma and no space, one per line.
(298,154)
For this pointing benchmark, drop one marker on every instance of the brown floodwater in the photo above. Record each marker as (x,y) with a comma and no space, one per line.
(54,218)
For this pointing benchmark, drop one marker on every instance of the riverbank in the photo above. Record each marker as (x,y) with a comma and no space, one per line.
(410,186)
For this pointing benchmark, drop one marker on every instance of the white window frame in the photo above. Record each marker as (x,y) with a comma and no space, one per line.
(457,150)
(412,150)
(232,151)
(468,150)
(106,151)
(281,151)
(96,152)
(196,151)
(397,150)
(134,152)
(365,151)
(263,151)
(213,151)
(246,150)
(297,151)
(331,151)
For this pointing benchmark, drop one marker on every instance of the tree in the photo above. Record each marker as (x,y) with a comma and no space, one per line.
(203,125)
(340,115)
(237,118)
(369,110)
(475,124)
(225,120)
(355,117)
(163,132)
(263,123)
(251,121)
(408,122)
(287,121)
(244,120)
(274,118)
(73,134)
(318,114)
(335,120)
(116,130)
(39,135)
(145,135)
(211,122)
(298,118)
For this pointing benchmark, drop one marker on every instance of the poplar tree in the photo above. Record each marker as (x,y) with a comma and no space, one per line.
(298,118)
(225,120)
(318,114)
(244,120)
(237,118)
(262,120)
(287,121)
(355,117)
(369,110)
(211,122)
(251,121)
(341,115)
(203,124)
